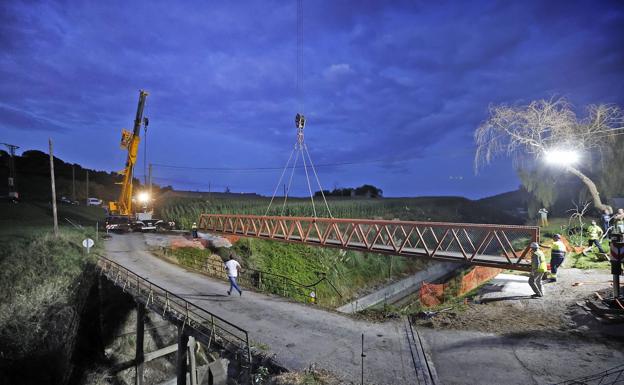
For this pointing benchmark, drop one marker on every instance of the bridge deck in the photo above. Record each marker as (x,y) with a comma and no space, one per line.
(502,246)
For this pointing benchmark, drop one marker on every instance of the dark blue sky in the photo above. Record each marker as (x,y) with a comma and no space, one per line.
(403,82)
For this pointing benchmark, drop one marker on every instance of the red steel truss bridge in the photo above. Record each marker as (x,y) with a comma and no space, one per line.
(503,246)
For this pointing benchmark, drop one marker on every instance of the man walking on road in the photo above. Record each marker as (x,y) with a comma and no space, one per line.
(233,268)
(557,256)
(538,269)
(594,234)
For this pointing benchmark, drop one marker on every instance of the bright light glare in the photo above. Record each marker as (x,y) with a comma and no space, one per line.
(144,197)
(560,157)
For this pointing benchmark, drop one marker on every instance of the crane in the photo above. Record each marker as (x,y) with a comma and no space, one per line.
(123,216)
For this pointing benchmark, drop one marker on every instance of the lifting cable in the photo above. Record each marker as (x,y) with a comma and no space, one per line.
(300,147)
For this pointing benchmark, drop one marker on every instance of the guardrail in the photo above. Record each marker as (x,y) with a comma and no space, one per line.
(503,246)
(208,327)
(263,281)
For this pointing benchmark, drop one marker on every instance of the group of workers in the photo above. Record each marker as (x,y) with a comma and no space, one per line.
(539,268)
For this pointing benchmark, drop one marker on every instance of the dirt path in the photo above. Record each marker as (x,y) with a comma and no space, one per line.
(296,334)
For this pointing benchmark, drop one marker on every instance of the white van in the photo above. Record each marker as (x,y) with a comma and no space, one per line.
(94,202)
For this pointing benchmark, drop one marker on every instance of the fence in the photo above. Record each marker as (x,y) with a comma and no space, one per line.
(433,294)
(208,327)
(262,280)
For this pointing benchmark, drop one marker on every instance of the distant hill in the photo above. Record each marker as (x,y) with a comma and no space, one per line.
(33,178)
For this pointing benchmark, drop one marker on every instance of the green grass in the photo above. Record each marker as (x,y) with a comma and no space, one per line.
(348,271)
(39,273)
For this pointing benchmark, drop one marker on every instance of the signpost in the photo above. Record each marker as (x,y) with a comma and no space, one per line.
(88,244)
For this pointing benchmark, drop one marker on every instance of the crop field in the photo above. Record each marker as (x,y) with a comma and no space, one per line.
(185,211)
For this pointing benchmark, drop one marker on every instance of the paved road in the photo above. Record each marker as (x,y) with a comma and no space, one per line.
(298,335)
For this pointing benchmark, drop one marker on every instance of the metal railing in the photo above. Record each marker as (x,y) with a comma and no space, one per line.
(504,246)
(264,281)
(611,376)
(208,327)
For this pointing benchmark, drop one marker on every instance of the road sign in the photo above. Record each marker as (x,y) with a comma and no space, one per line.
(88,244)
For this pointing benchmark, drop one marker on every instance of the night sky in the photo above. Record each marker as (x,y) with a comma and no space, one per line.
(392,89)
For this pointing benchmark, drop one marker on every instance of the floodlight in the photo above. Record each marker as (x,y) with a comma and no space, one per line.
(561,157)
(144,197)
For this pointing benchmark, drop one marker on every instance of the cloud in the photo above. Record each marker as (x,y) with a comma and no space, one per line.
(381,80)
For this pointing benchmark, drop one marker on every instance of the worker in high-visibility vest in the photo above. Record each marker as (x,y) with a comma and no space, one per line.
(557,256)
(194,230)
(538,269)
(594,233)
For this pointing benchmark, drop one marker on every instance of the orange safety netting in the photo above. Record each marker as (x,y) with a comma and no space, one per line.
(433,294)
(476,277)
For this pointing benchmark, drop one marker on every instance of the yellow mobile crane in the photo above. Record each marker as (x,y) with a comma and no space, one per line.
(122,215)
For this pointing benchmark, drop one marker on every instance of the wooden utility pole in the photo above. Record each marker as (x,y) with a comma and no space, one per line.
(56,229)
(73,183)
(87,198)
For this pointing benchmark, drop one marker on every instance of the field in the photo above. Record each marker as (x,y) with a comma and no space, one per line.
(185,211)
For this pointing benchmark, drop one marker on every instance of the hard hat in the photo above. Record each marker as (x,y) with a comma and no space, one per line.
(534,245)
(557,236)
(593,222)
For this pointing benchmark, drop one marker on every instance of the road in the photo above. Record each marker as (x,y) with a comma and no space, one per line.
(298,335)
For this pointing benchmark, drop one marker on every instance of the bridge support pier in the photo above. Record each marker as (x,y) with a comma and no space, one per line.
(140,355)
(181,367)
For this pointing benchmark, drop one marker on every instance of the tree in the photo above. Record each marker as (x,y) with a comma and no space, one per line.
(528,133)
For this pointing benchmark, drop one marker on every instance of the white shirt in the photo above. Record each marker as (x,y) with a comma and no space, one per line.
(232,268)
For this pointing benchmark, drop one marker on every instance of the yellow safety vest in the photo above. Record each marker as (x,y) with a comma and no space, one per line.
(541,268)
(594,232)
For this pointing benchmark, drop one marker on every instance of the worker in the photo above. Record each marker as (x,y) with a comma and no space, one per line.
(595,233)
(618,222)
(233,268)
(557,256)
(543,216)
(194,230)
(538,270)
(605,218)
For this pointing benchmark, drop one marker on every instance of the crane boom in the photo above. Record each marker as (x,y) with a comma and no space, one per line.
(129,141)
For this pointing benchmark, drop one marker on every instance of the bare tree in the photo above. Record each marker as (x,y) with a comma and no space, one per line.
(527,133)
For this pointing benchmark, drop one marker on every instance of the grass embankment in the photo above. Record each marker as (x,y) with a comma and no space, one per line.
(349,271)
(39,275)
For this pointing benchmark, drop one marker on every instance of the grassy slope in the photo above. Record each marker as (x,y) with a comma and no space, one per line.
(38,273)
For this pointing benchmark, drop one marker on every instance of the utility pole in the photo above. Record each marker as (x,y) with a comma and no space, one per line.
(56,229)
(87,198)
(12,174)
(73,183)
